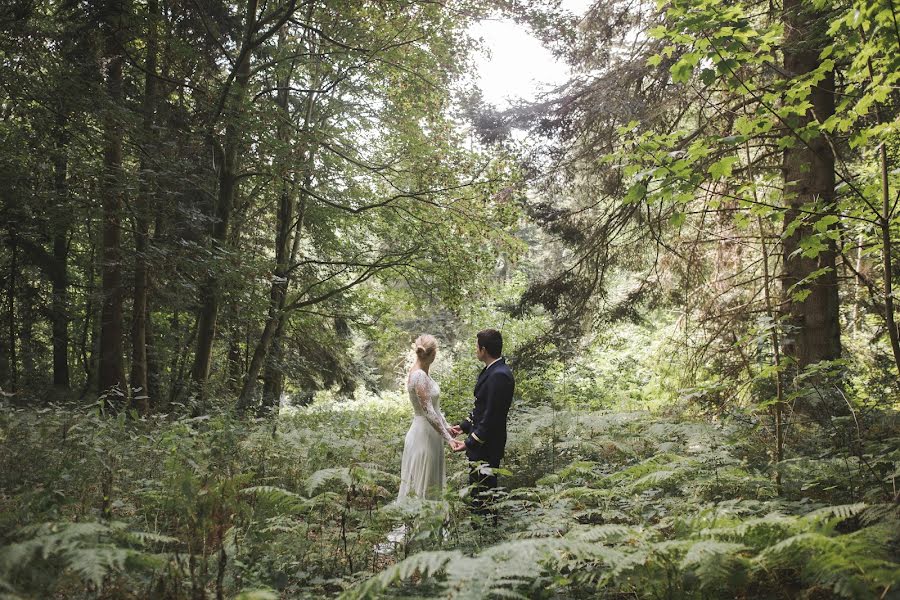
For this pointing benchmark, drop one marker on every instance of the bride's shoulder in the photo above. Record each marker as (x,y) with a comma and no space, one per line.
(419,377)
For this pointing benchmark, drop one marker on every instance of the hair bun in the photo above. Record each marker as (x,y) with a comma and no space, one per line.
(426,346)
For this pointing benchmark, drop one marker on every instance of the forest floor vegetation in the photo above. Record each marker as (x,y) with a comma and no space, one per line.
(596,503)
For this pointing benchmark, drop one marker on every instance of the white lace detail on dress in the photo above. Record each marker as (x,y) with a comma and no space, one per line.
(425,392)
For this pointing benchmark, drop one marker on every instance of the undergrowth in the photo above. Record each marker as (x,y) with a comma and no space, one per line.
(596,504)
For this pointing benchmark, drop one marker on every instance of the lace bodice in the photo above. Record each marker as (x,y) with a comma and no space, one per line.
(424,395)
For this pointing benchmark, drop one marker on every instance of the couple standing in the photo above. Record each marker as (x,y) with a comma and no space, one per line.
(422,468)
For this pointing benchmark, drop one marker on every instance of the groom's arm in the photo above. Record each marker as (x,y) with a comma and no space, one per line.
(466,424)
(497,400)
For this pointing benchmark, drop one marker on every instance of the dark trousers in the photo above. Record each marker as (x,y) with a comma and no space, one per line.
(482,486)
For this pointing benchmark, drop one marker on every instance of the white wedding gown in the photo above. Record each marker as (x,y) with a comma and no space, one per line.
(422,469)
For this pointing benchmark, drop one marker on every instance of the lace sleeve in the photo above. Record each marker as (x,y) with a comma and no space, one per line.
(423,394)
(444,420)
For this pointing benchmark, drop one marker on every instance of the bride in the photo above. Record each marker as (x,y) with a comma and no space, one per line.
(422,467)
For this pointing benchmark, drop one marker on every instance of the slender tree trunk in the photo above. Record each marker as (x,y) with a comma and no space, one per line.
(111,370)
(235,369)
(887,267)
(884,223)
(857,281)
(154,383)
(87,324)
(155,351)
(139,373)
(284,225)
(174,383)
(26,331)
(273,376)
(229,168)
(238,330)
(268,349)
(11,308)
(59,309)
(809,182)
(773,336)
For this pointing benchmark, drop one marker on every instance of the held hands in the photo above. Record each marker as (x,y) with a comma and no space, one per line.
(456,445)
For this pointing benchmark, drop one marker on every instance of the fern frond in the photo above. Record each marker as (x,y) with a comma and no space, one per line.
(145,538)
(877,513)
(276,496)
(842,511)
(654,478)
(321,476)
(716,564)
(603,533)
(94,564)
(426,564)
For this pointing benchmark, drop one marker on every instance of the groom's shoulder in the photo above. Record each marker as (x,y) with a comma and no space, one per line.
(503,370)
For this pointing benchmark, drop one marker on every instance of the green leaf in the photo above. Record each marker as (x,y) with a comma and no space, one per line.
(825,222)
(683,69)
(723,167)
(636,193)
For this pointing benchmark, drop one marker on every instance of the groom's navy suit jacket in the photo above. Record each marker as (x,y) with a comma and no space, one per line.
(486,424)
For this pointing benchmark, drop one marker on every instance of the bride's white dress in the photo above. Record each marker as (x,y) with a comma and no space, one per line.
(422,468)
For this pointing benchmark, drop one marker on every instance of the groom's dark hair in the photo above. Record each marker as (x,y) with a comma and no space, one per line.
(492,341)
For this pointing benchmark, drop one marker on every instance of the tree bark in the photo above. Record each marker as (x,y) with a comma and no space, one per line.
(27,311)
(111,369)
(229,159)
(268,350)
(284,226)
(59,309)
(273,377)
(235,367)
(11,308)
(809,178)
(140,383)
(887,267)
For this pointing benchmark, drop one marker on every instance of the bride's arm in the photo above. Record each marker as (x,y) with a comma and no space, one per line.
(444,422)
(436,420)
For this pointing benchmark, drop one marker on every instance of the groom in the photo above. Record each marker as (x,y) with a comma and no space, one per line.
(486,424)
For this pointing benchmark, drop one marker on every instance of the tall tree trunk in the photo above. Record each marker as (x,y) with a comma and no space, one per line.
(886,265)
(85,342)
(111,369)
(26,331)
(273,331)
(273,377)
(809,178)
(229,167)
(235,368)
(11,308)
(59,309)
(140,314)
(284,226)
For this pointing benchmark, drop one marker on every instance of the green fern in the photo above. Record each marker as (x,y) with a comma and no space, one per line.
(716,565)
(91,550)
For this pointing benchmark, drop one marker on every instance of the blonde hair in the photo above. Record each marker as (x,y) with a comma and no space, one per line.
(426,346)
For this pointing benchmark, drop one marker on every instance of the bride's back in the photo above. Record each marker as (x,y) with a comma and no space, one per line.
(420,379)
